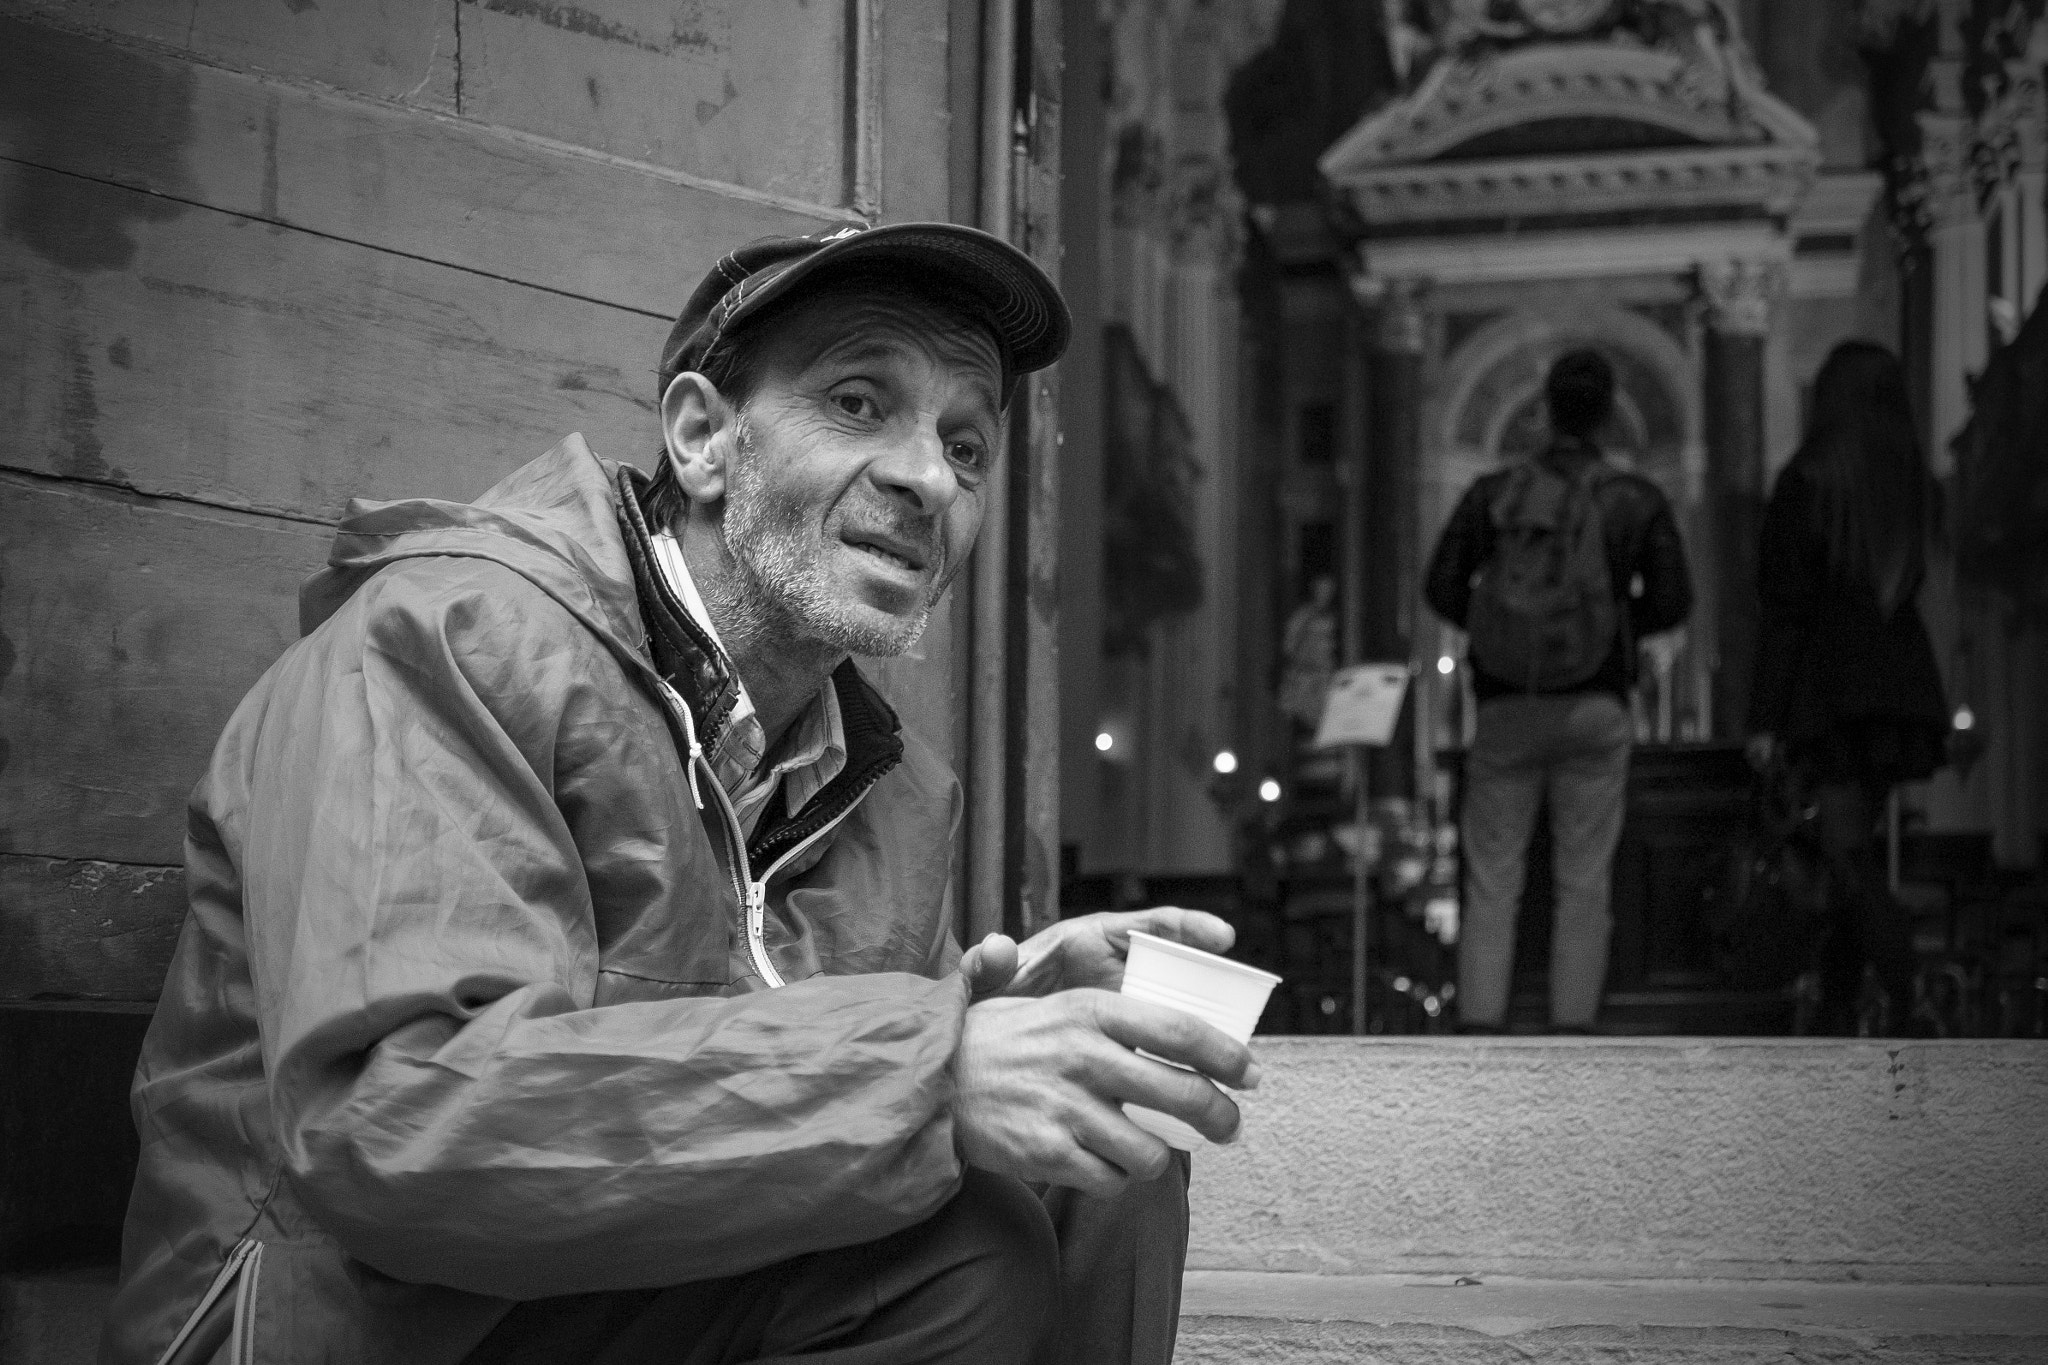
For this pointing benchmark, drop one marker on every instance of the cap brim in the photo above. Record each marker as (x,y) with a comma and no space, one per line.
(1030,317)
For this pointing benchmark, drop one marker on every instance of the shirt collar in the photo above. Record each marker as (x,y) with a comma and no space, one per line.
(814,748)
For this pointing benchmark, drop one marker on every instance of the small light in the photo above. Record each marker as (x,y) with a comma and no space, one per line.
(1446,665)
(1269,791)
(1402,983)
(1104,742)
(1225,761)
(1965,718)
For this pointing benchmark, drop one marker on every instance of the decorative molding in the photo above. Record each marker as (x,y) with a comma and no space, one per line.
(1770,179)
(1587,253)
(1687,94)
(1837,204)
(1741,294)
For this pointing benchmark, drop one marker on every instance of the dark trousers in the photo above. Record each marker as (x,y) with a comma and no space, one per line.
(1866,922)
(1000,1274)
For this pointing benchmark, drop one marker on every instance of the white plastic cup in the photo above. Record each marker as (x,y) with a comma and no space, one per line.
(1228,996)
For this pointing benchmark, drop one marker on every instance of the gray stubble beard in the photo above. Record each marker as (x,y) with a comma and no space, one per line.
(782,592)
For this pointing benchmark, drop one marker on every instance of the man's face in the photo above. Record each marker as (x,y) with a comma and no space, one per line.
(857,486)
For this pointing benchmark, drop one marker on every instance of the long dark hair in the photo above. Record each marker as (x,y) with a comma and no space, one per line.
(1876,503)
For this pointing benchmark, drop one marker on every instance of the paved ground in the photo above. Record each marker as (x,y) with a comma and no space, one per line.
(1251,1316)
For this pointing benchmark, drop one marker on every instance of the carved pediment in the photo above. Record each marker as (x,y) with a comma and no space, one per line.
(1578,128)
(1619,95)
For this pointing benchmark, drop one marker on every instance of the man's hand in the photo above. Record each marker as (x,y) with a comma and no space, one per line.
(1088,951)
(1038,1086)
(989,965)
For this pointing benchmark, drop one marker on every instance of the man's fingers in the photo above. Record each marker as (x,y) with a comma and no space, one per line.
(1111,1137)
(1178,1037)
(1196,928)
(989,965)
(1189,1097)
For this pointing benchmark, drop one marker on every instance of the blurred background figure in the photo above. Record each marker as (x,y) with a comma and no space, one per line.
(1847,694)
(1557,566)
(1308,654)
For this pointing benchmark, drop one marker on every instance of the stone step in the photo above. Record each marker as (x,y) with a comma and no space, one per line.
(1229,1317)
(1636,1158)
(1646,1199)
(1233,1317)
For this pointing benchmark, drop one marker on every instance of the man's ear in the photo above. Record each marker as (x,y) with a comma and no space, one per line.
(697,427)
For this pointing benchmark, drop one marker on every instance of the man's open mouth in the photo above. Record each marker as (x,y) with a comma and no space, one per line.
(894,552)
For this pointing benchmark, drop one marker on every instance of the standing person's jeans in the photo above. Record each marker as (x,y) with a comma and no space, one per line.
(1574,748)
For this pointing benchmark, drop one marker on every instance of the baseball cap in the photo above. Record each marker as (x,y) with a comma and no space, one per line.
(1017,299)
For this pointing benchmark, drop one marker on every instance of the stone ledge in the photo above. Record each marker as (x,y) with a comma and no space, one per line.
(1636,1158)
(1247,1316)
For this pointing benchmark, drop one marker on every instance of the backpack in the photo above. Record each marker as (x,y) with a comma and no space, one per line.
(1543,614)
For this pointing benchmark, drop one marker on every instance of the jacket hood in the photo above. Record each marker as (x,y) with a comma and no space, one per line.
(553,521)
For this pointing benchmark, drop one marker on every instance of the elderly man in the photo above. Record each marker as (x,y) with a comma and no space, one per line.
(569,973)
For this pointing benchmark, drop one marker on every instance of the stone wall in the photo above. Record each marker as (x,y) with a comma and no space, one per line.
(1637,1159)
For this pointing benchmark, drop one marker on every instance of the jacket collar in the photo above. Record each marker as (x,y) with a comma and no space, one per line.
(685,655)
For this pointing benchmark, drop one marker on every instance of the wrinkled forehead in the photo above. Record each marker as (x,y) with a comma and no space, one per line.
(845,323)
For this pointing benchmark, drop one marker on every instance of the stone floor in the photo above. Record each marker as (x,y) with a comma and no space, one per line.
(1241,1316)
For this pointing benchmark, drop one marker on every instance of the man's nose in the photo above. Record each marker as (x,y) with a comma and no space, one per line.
(916,470)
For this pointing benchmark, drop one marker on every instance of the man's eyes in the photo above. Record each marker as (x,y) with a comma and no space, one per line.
(861,404)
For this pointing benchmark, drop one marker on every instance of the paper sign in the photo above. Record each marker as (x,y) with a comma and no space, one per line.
(1364,703)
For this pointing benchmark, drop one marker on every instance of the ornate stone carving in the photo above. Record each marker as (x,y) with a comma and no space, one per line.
(1771,178)
(1741,295)
(2012,132)
(1947,183)
(1688,76)
(1685,76)
(1400,321)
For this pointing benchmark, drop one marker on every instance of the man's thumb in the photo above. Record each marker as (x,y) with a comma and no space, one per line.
(989,965)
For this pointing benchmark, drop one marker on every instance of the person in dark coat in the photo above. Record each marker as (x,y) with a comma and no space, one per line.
(1846,691)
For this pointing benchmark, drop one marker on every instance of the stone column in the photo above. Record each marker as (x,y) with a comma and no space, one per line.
(1739,297)
(1384,520)
(1958,342)
(2030,128)
(1955,237)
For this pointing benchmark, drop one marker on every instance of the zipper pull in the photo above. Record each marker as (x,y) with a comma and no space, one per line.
(689,733)
(757,908)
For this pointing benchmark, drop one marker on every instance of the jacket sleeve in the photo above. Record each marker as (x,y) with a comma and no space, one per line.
(1466,541)
(451,1101)
(1666,598)
(1791,579)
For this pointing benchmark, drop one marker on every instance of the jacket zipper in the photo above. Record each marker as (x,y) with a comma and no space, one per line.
(752,894)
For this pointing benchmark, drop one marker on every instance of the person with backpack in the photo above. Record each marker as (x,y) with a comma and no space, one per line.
(1555,566)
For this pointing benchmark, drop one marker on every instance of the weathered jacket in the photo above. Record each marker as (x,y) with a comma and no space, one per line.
(464,1010)
(1643,548)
